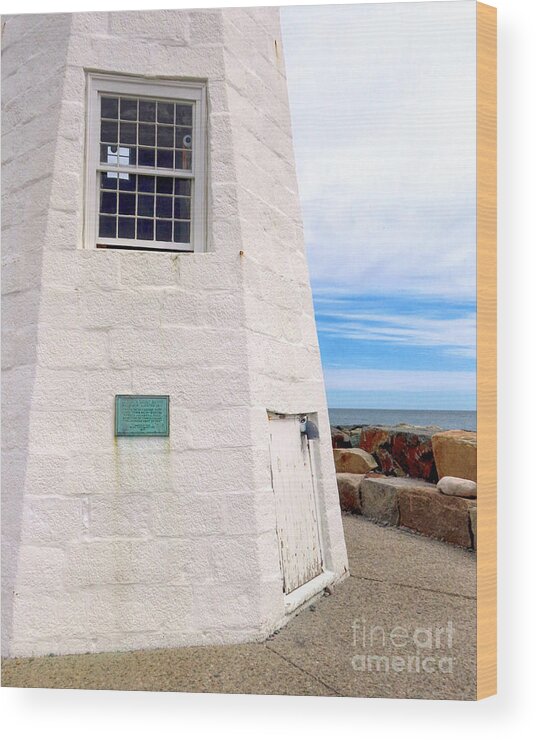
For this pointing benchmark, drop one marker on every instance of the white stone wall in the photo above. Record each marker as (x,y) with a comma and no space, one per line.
(118,543)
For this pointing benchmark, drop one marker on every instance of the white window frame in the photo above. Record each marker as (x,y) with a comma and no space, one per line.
(176,91)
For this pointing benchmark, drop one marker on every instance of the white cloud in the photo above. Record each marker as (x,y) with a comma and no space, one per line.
(383,110)
(385,381)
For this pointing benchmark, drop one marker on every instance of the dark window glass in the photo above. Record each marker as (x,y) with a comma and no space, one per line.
(182,207)
(107,226)
(181,231)
(164,185)
(182,187)
(109,107)
(145,228)
(146,157)
(109,154)
(127,133)
(164,206)
(164,231)
(183,160)
(129,109)
(165,158)
(165,136)
(108,180)
(147,110)
(147,134)
(145,205)
(126,228)
(165,113)
(146,183)
(184,114)
(108,202)
(109,131)
(127,204)
(126,181)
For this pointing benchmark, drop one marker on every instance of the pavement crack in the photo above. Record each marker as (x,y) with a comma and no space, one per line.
(415,588)
(302,670)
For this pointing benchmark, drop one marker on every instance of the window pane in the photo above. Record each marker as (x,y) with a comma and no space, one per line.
(109,131)
(109,180)
(109,107)
(145,228)
(147,134)
(181,232)
(108,202)
(164,206)
(146,183)
(147,110)
(184,114)
(127,204)
(165,113)
(107,226)
(127,155)
(183,138)
(126,228)
(127,181)
(182,187)
(182,208)
(164,231)
(183,160)
(146,157)
(164,185)
(145,205)
(165,158)
(165,136)
(109,154)
(129,109)
(127,133)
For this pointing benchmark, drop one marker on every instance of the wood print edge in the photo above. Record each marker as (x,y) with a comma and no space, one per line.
(486,94)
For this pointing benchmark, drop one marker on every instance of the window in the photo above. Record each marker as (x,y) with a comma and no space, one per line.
(146,164)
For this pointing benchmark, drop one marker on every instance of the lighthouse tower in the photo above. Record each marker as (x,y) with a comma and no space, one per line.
(167,469)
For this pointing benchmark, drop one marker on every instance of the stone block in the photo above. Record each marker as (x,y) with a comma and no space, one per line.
(431,513)
(455,454)
(401,451)
(472,520)
(349,495)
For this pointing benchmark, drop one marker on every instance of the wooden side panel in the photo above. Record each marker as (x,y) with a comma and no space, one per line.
(297,524)
(486,18)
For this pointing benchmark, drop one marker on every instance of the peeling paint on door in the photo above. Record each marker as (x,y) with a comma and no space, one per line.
(297,523)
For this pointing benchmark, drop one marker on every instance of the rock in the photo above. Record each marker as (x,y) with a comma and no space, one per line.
(353,461)
(455,454)
(452,486)
(349,497)
(472,521)
(431,513)
(402,450)
(339,438)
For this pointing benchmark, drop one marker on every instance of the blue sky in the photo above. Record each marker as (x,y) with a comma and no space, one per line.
(382,101)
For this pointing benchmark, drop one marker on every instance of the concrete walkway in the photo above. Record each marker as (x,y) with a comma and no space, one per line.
(343,645)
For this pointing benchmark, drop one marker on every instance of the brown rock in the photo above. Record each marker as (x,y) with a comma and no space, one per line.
(402,450)
(340,439)
(455,454)
(353,461)
(349,497)
(431,513)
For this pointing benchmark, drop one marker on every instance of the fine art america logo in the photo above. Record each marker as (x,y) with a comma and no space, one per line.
(402,649)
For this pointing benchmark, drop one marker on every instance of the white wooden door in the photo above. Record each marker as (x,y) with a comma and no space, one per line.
(297,524)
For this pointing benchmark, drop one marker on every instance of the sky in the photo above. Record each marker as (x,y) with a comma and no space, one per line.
(382,100)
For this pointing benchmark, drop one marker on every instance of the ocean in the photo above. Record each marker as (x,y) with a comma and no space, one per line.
(389,417)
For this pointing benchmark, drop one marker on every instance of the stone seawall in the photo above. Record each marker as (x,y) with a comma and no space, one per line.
(419,478)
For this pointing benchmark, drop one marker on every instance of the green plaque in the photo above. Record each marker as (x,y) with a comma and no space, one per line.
(142,416)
